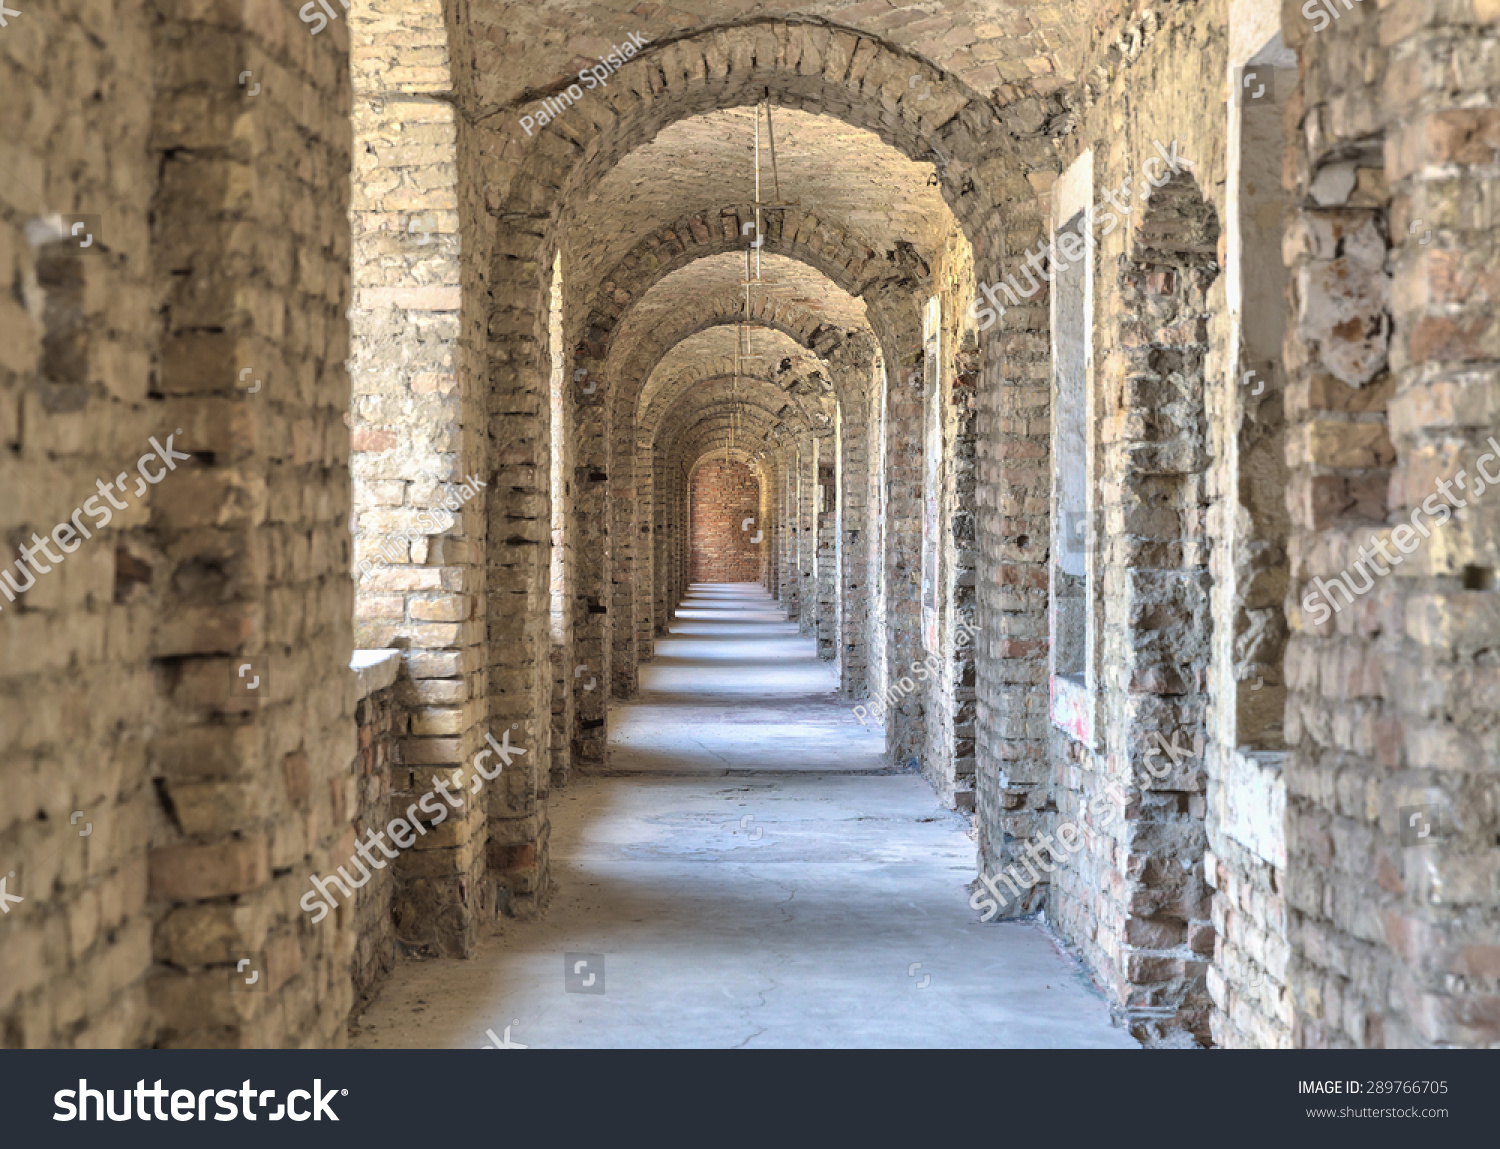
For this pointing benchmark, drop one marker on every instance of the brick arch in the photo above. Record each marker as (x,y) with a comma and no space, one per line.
(863,80)
(764,407)
(769,312)
(715,384)
(822,345)
(799,64)
(786,365)
(851,264)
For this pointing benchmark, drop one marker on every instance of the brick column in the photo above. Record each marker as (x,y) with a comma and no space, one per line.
(791,581)
(517,653)
(827,521)
(251,631)
(645,549)
(1394,933)
(854,525)
(903,557)
(591,553)
(623,527)
(419,504)
(807,534)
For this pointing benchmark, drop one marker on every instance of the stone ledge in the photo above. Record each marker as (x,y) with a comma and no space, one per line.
(375,670)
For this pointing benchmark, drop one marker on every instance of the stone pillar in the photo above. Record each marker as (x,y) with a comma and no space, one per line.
(419,521)
(807,534)
(590,393)
(645,549)
(249,624)
(518,664)
(623,525)
(856,593)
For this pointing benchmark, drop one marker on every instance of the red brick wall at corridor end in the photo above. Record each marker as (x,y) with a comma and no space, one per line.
(724,496)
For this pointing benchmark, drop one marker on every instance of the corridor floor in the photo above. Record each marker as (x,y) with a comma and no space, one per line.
(747,873)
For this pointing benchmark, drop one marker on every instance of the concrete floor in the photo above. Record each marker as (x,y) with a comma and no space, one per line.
(752,876)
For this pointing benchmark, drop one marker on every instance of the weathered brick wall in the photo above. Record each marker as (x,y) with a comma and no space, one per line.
(382,718)
(724,496)
(1391,337)
(76,690)
(945,676)
(1133,898)
(1248,524)
(415,423)
(224,245)
(253,563)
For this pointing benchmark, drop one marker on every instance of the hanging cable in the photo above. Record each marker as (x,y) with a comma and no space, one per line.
(771,136)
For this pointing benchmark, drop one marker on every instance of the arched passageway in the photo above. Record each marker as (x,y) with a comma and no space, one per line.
(750,874)
(1103,510)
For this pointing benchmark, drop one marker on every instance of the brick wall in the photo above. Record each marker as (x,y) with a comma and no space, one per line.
(224,246)
(382,719)
(1133,898)
(724,496)
(222,597)
(1391,343)
(76,681)
(417,470)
